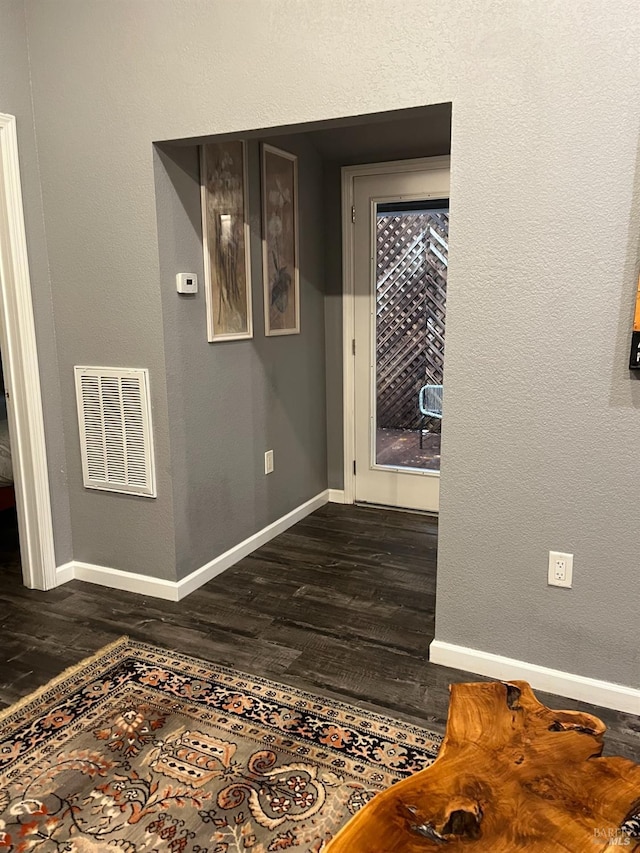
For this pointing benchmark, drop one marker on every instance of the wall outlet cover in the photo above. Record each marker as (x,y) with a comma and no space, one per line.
(560,572)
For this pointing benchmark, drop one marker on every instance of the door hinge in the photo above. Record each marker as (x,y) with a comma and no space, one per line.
(354,467)
(353,346)
(353,213)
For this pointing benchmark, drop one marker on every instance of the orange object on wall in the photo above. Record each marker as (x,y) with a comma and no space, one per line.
(634,357)
(636,318)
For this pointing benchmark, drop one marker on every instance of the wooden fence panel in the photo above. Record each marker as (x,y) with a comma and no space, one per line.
(411,296)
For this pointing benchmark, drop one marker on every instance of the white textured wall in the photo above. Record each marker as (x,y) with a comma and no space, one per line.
(541,419)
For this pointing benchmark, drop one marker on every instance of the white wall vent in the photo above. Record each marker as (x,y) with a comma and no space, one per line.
(114,416)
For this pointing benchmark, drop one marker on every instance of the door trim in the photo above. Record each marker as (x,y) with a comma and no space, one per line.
(348,297)
(22,376)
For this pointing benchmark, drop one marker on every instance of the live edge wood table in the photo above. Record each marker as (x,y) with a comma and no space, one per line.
(511,775)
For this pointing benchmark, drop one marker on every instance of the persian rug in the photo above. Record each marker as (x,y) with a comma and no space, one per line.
(142,749)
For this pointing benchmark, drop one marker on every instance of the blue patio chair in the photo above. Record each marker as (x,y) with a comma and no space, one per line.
(430,402)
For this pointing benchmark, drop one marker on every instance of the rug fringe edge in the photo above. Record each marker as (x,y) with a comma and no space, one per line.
(69,671)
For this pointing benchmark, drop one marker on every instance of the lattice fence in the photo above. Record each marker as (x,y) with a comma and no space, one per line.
(412,252)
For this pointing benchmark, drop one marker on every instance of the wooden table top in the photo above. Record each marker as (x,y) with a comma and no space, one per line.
(512,775)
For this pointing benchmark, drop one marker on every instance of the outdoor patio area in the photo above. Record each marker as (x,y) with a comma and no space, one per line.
(412,251)
(401,448)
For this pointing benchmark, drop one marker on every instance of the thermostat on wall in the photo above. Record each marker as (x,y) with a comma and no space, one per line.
(187,282)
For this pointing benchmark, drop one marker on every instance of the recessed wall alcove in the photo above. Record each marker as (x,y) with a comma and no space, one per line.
(230,402)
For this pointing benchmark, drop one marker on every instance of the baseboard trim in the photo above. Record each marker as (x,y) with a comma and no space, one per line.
(233,555)
(64,573)
(177,590)
(336,496)
(604,693)
(128,581)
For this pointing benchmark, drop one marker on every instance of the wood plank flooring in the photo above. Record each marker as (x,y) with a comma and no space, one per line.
(341,604)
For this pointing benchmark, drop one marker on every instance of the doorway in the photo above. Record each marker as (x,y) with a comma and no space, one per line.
(21,376)
(397,248)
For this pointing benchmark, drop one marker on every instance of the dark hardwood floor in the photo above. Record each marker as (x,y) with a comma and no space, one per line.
(341,604)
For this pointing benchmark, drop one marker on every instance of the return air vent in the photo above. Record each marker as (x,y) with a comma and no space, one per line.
(114,416)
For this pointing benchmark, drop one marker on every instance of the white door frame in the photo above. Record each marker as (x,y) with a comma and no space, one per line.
(348,297)
(21,375)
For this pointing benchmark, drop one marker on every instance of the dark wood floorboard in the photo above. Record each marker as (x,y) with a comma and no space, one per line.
(342,604)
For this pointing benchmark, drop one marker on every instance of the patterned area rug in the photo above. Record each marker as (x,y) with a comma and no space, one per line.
(139,749)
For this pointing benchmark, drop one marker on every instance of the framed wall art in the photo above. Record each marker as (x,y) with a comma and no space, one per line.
(280,242)
(634,358)
(225,238)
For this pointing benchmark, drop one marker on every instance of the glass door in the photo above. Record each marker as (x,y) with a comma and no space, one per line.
(401,259)
(412,246)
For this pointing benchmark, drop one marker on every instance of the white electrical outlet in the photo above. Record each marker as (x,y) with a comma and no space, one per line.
(560,569)
(268,462)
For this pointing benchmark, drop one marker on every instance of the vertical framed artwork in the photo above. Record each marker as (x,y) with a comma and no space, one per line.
(225,238)
(280,242)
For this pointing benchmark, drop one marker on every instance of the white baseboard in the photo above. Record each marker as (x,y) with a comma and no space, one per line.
(65,573)
(336,496)
(177,590)
(233,555)
(129,581)
(591,690)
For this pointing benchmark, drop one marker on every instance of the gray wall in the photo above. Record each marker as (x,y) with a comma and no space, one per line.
(97,182)
(333,324)
(15,99)
(230,402)
(541,417)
